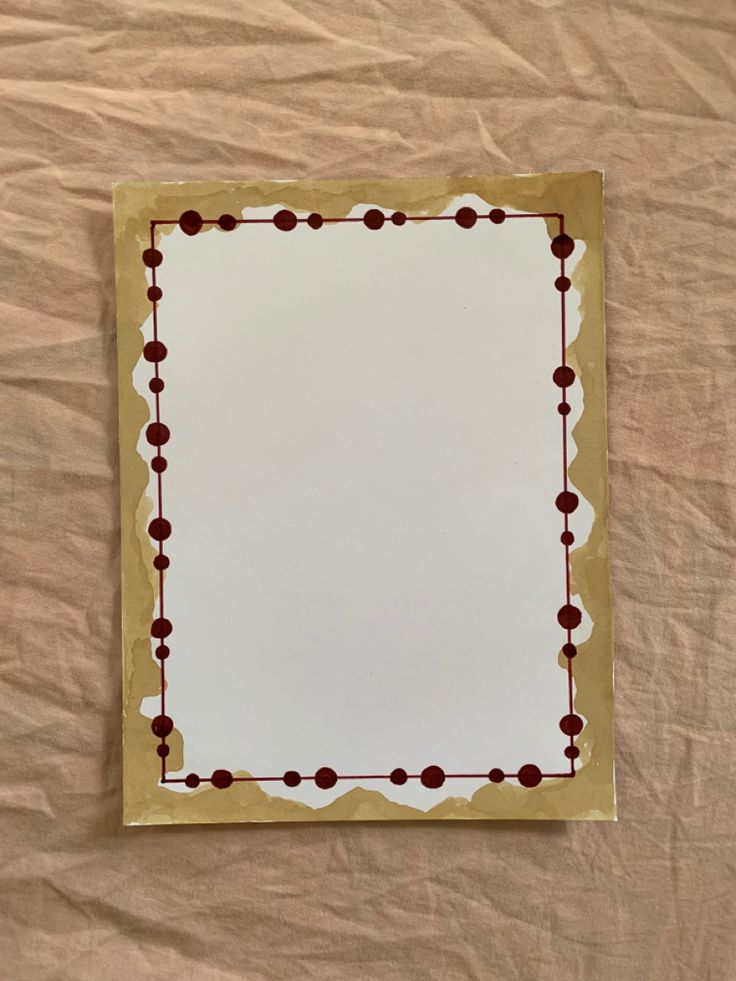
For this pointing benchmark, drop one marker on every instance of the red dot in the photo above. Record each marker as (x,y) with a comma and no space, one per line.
(572,752)
(567,538)
(566,502)
(373,219)
(222,779)
(571,725)
(564,408)
(156,385)
(227,222)
(154,293)
(162,749)
(191,780)
(157,434)
(433,777)
(497,216)
(496,775)
(569,617)
(162,726)
(152,258)
(161,562)
(399,776)
(563,284)
(162,652)
(159,464)
(563,376)
(161,627)
(529,775)
(398,218)
(569,650)
(154,351)
(190,222)
(285,220)
(291,778)
(562,246)
(466,217)
(159,529)
(315,221)
(325,778)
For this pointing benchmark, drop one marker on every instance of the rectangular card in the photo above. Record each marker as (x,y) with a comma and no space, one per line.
(364,500)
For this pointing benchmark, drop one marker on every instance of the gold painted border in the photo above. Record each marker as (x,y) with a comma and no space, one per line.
(590,794)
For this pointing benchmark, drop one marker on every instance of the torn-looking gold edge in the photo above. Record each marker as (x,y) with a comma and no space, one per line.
(590,794)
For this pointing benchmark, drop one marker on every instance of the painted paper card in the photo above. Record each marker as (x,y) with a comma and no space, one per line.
(363,496)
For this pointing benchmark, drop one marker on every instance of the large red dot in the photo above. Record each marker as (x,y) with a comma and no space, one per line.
(530,775)
(569,617)
(433,777)
(222,779)
(157,434)
(566,502)
(496,775)
(325,778)
(571,725)
(154,293)
(291,778)
(152,258)
(161,627)
(284,220)
(398,218)
(154,351)
(161,562)
(159,464)
(399,776)
(190,222)
(563,376)
(227,222)
(497,216)
(159,529)
(162,726)
(315,221)
(466,217)
(374,219)
(562,246)
(191,780)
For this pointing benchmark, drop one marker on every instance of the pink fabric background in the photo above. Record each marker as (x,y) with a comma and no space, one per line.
(94,92)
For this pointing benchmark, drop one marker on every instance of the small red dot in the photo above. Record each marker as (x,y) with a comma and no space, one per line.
(315,221)
(162,726)
(569,617)
(161,562)
(159,464)
(497,216)
(433,777)
(325,778)
(496,775)
(154,351)
(222,779)
(562,246)
(398,218)
(190,222)
(285,220)
(563,284)
(569,650)
(161,627)
(571,725)
(466,217)
(152,258)
(227,222)
(567,538)
(566,502)
(162,749)
(564,408)
(156,385)
(399,776)
(530,775)
(159,529)
(563,376)
(291,778)
(157,434)
(162,652)
(154,293)
(191,780)
(572,752)
(373,219)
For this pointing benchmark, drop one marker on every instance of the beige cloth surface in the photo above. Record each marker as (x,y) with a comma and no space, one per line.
(94,92)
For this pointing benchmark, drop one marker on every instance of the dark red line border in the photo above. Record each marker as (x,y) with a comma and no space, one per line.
(157,435)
